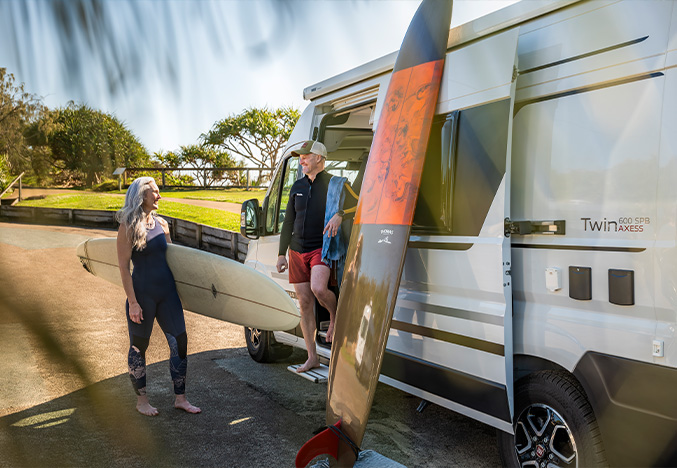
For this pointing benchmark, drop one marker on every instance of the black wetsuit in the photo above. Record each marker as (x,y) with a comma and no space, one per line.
(156,293)
(304,219)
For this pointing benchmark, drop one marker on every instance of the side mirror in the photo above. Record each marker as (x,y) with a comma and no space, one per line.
(249,219)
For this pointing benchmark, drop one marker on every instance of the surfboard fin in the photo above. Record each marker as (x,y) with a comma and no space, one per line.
(324,443)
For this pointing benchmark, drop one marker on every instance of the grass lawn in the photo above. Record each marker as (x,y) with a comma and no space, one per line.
(224,195)
(96,201)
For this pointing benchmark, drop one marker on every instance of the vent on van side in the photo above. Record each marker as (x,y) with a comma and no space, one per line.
(622,287)
(580,283)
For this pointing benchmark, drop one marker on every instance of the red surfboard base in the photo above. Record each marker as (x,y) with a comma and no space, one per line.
(324,443)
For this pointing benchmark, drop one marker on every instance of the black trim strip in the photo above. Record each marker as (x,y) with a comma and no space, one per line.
(456,313)
(349,129)
(438,245)
(519,105)
(453,338)
(579,247)
(587,54)
(456,246)
(471,391)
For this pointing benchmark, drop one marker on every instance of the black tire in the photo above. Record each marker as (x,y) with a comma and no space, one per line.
(554,425)
(262,346)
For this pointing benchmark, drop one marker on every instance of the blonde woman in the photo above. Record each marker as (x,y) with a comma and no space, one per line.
(151,292)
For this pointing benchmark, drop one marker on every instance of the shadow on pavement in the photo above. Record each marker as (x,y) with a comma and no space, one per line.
(99,426)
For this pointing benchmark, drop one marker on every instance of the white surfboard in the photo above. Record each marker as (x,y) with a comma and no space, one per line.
(208,284)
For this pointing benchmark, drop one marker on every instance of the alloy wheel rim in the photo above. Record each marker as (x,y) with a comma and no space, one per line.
(255,337)
(543,439)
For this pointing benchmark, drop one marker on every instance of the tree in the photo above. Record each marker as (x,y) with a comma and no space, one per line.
(5,178)
(86,144)
(18,110)
(201,156)
(257,135)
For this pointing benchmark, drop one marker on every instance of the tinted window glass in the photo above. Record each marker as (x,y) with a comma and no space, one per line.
(273,203)
(290,176)
(475,156)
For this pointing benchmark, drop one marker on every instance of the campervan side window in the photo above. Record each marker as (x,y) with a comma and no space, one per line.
(279,196)
(465,163)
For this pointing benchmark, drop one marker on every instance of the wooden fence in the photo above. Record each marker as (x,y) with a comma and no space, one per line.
(204,171)
(11,201)
(219,241)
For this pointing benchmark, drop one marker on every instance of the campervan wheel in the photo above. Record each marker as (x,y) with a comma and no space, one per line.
(554,425)
(262,346)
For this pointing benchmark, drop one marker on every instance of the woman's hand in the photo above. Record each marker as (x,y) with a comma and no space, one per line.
(333,225)
(135,313)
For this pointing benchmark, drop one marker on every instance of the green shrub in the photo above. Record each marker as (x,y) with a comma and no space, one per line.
(106,186)
(5,177)
(169,178)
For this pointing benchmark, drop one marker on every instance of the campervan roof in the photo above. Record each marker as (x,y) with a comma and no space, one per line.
(493,22)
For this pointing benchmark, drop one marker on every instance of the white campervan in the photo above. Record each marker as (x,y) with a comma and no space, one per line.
(539,292)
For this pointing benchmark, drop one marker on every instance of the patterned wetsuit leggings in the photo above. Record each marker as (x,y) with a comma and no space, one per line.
(169,314)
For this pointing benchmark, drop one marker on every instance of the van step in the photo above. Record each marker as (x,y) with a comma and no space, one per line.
(317,375)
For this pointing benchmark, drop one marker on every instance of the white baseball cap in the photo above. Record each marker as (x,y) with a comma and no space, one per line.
(310,146)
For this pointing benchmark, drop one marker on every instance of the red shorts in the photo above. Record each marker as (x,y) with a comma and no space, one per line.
(300,265)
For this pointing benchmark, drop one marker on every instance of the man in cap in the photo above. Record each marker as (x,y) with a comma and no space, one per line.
(302,233)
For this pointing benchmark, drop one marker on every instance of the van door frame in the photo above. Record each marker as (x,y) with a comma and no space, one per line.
(431,329)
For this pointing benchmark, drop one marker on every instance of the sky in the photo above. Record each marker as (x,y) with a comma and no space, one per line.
(170,69)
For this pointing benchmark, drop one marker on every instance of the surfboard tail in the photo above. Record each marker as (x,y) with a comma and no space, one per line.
(326,442)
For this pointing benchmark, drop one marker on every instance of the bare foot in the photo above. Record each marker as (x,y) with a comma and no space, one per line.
(330,333)
(309,364)
(144,407)
(183,404)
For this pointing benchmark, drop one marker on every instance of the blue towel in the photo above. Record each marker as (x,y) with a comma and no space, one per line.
(334,248)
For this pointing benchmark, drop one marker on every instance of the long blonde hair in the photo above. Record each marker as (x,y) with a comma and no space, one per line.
(132,213)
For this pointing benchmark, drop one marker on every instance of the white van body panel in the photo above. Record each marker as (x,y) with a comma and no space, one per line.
(665,264)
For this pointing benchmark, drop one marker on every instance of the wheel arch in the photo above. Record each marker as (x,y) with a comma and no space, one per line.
(635,408)
(524,365)
(631,400)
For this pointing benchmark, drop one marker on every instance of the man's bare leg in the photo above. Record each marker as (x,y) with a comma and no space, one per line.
(319,281)
(306,303)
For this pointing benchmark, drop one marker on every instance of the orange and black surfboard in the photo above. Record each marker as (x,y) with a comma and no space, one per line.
(380,234)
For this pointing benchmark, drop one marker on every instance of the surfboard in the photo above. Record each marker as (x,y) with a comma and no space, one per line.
(380,234)
(207,284)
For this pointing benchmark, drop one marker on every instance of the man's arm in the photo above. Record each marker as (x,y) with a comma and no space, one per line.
(287,225)
(285,234)
(348,213)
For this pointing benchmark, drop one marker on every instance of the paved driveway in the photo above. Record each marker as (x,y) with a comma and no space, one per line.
(66,400)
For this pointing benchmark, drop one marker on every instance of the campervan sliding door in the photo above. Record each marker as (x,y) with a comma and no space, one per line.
(451,337)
